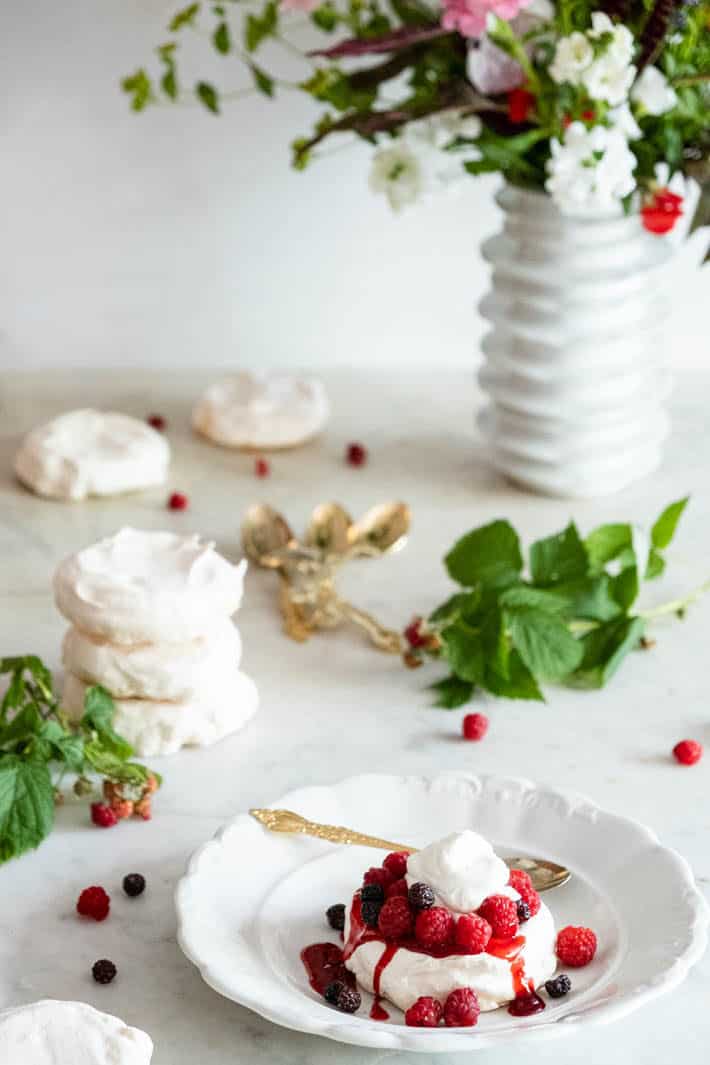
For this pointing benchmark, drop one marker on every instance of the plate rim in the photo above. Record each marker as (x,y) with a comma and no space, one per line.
(443,1040)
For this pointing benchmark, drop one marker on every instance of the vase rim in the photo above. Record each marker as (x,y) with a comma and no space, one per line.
(509,193)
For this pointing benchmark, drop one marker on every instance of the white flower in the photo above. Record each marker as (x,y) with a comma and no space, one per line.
(397,173)
(573,55)
(607,79)
(653,93)
(621,118)
(676,183)
(621,46)
(591,171)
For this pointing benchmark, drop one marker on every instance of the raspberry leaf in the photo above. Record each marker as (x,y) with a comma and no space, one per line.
(488,556)
(26,805)
(559,558)
(607,542)
(519,683)
(464,651)
(664,527)
(452,692)
(604,650)
(544,643)
(98,716)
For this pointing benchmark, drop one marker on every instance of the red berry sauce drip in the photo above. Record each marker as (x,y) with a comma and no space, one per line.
(323,963)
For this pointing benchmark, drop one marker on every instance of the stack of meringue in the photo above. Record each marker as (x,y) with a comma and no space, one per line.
(150,622)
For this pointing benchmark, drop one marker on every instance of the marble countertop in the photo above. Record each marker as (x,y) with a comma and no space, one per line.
(327,715)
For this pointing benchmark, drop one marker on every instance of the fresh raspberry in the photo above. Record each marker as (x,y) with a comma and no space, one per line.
(157,421)
(501,914)
(103,971)
(475,726)
(356,454)
(461,1008)
(413,633)
(261,468)
(434,927)
(102,815)
(521,882)
(576,946)
(421,897)
(336,916)
(425,1013)
(688,752)
(397,887)
(93,902)
(472,933)
(395,920)
(396,863)
(178,501)
(378,875)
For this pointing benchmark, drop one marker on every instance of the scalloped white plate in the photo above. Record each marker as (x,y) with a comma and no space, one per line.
(250,901)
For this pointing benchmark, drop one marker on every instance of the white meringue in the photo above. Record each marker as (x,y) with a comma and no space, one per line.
(54,1033)
(253,410)
(156,727)
(462,870)
(148,587)
(92,453)
(164,671)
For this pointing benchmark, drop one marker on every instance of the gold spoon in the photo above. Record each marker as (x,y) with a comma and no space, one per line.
(544,874)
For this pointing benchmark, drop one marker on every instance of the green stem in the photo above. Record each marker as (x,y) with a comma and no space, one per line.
(675,604)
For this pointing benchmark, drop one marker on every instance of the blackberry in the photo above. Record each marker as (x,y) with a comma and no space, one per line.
(332,991)
(370,912)
(336,916)
(349,1000)
(558,987)
(372,893)
(103,971)
(421,897)
(134,885)
(523,910)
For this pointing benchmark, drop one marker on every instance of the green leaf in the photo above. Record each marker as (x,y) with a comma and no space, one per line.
(207,95)
(559,558)
(222,39)
(462,647)
(325,17)
(66,747)
(25,725)
(489,555)
(664,527)
(461,604)
(263,82)
(607,542)
(656,565)
(259,27)
(26,805)
(544,643)
(185,17)
(452,692)
(519,595)
(168,83)
(519,684)
(98,717)
(496,644)
(590,598)
(625,587)
(140,88)
(604,649)
(105,762)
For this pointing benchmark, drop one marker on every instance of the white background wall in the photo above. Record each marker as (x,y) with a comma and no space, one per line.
(173,237)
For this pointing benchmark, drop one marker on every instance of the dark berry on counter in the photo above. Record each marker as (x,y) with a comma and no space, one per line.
(134,884)
(103,971)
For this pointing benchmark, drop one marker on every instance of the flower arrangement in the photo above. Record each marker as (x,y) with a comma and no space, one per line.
(603,105)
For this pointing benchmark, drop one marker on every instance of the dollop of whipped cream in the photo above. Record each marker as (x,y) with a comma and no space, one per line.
(53,1033)
(462,870)
(262,410)
(92,453)
(139,586)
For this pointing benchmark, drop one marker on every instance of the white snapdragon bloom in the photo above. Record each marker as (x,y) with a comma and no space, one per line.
(608,80)
(397,173)
(653,93)
(621,117)
(621,48)
(573,55)
(591,170)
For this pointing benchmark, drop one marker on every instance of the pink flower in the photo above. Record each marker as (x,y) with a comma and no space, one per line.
(491,70)
(300,5)
(469,16)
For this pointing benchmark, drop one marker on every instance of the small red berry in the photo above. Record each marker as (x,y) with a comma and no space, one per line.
(396,863)
(501,914)
(588,115)
(425,1013)
(378,875)
(261,468)
(475,726)
(576,946)
(93,902)
(157,421)
(472,933)
(461,1008)
(521,882)
(661,211)
(395,920)
(356,454)
(688,752)
(102,815)
(520,104)
(413,633)
(178,501)
(397,887)
(434,927)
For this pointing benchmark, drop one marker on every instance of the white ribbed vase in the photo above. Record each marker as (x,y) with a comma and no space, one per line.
(575,359)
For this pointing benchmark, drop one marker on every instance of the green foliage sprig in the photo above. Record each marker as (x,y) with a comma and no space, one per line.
(39,746)
(571,620)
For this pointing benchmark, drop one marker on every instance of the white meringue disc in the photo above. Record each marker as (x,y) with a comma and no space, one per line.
(153,670)
(155,727)
(92,453)
(148,587)
(264,411)
(52,1032)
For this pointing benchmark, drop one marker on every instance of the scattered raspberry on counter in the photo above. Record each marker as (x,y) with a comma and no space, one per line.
(356,454)
(102,815)
(94,902)
(475,726)
(262,468)
(157,421)
(178,501)
(688,752)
